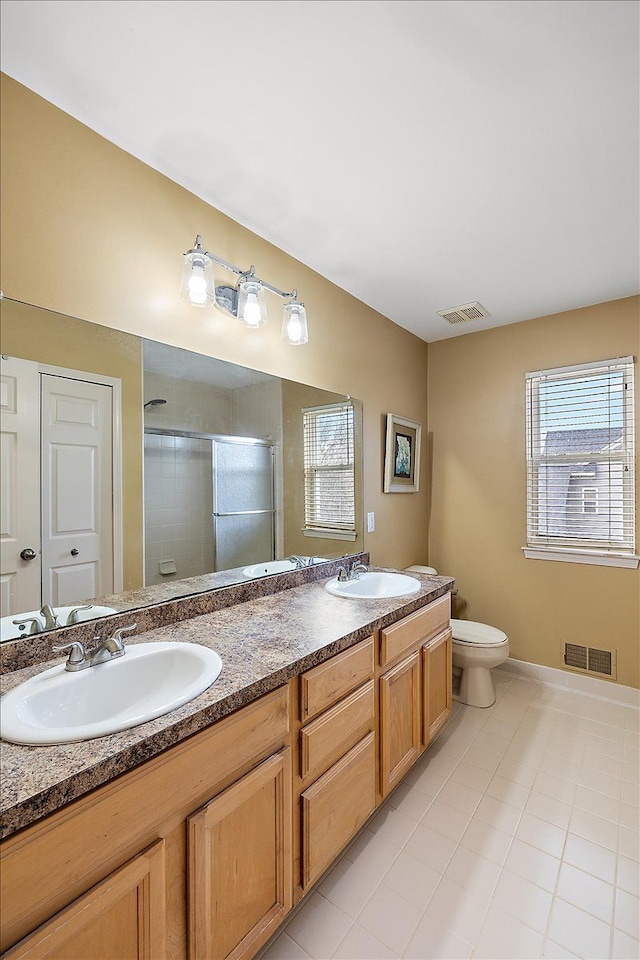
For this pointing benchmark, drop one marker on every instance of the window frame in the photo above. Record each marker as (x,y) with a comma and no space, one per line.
(589,495)
(314,524)
(577,548)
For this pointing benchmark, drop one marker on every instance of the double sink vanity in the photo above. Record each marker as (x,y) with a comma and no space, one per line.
(194,833)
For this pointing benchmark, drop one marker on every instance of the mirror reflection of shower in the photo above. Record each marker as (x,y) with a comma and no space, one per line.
(210,465)
(209,503)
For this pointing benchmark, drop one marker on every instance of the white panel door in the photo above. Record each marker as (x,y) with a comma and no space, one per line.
(19,486)
(77,490)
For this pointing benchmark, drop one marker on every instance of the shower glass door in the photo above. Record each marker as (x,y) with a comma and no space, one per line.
(243,502)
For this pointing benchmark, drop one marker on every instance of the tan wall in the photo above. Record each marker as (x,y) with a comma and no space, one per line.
(27,333)
(91,232)
(478,506)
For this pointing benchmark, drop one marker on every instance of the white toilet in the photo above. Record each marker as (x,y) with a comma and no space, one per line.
(477,648)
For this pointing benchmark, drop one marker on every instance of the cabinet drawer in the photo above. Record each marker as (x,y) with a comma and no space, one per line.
(335,807)
(329,736)
(326,684)
(415,629)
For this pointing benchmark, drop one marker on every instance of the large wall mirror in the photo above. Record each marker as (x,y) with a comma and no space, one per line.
(135,472)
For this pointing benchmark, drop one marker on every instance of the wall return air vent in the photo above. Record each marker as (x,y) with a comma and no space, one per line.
(599,663)
(468,311)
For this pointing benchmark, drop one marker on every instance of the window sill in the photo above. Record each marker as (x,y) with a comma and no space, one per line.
(329,534)
(573,555)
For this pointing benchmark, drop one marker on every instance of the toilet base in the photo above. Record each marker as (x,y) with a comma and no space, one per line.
(476,687)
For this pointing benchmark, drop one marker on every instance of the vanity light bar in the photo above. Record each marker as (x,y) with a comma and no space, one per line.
(246,301)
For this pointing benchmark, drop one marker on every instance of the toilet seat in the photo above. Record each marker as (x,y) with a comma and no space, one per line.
(477,634)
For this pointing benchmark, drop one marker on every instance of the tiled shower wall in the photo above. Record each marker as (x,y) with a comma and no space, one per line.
(178,504)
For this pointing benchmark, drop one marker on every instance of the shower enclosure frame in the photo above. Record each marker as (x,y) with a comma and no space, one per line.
(229,438)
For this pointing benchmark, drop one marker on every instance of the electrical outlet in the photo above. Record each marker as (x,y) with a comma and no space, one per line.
(371,522)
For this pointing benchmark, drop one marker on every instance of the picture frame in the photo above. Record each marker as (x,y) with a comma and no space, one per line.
(402,455)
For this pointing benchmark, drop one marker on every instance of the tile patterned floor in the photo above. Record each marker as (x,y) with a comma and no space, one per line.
(516,836)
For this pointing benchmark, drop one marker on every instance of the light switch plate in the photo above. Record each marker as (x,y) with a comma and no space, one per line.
(371,522)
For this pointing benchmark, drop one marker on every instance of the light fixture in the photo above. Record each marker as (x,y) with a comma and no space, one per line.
(197,275)
(246,301)
(294,323)
(252,302)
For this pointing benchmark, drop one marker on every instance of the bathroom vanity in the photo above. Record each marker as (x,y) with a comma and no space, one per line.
(194,835)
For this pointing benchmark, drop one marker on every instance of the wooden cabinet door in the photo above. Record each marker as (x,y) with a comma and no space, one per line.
(240,873)
(400,712)
(335,807)
(121,918)
(436,685)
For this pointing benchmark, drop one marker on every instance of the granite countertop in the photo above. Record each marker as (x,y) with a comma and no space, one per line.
(262,642)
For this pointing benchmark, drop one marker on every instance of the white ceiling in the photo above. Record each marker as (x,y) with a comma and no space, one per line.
(420,155)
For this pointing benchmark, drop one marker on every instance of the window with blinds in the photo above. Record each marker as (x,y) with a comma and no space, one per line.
(580,458)
(329,474)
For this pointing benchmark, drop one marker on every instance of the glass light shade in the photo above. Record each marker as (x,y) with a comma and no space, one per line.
(198,285)
(252,303)
(294,324)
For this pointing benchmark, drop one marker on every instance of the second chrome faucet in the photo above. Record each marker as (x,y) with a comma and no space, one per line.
(353,573)
(50,617)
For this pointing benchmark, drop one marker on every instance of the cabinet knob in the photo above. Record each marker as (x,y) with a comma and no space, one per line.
(75,552)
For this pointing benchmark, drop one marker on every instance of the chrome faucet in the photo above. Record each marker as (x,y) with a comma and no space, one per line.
(35,627)
(105,650)
(73,614)
(50,618)
(112,648)
(47,614)
(353,573)
(299,561)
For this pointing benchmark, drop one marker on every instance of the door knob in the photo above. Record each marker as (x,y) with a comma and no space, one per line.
(28,554)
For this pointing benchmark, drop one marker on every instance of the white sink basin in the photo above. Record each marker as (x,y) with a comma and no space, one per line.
(276,566)
(151,679)
(374,586)
(271,566)
(11,631)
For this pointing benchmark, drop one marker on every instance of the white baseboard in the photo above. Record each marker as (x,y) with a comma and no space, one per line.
(602,689)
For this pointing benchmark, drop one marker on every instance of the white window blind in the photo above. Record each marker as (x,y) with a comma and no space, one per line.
(580,457)
(329,476)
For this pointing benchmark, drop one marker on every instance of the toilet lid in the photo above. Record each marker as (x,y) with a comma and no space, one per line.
(478,634)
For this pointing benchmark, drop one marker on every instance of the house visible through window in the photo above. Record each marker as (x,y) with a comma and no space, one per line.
(580,458)
(329,476)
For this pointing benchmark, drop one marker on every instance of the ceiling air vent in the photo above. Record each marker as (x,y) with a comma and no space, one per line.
(468,311)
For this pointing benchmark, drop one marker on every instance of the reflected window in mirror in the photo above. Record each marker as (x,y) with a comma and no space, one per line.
(329,474)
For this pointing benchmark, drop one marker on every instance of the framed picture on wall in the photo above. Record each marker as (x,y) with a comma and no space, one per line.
(402,455)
